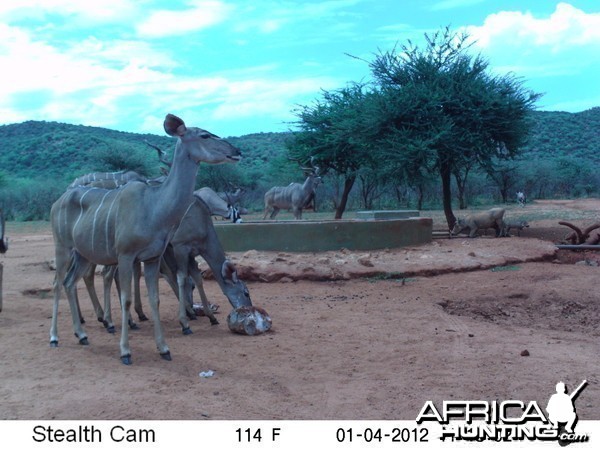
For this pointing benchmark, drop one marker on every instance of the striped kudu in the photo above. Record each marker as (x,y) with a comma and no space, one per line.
(130,224)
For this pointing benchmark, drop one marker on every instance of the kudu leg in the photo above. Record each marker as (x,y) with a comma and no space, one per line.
(137,302)
(124,276)
(151,272)
(274,213)
(79,267)
(62,260)
(183,289)
(132,324)
(88,279)
(108,275)
(198,281)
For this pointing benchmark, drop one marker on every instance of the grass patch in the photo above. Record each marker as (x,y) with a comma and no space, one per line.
(505,268)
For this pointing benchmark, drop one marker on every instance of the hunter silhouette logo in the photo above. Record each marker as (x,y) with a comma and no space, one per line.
(508,420)
(561,411)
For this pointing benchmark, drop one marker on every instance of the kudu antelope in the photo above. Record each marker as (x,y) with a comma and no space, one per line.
(129,224)
(3,248)
(293,197)
(216,206)
(195,236)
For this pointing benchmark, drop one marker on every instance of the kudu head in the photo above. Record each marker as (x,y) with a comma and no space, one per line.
(234,288)
(199,144)
(312,172)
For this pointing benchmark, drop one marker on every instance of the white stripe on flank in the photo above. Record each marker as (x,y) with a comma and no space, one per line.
(80,209)
(96,216)
(107,221)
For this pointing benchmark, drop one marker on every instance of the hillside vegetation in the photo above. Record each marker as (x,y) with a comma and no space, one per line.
(39,159)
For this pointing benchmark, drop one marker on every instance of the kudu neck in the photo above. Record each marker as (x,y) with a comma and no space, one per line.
(309,182)
(178,187)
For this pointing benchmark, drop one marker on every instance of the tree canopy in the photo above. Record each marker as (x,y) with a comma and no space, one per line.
(436,108)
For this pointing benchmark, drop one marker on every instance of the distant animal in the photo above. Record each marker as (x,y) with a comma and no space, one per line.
(294,196)
(517,224)
(493,218)
(3,248)
(521,199)
(3,240)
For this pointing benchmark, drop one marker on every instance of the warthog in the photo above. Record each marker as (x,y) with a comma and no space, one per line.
(480,221)
(517,224)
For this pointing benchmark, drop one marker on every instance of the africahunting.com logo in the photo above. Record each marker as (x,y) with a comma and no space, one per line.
(510,420)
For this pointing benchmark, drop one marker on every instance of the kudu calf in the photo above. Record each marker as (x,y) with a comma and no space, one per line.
(130,224)
(293,197)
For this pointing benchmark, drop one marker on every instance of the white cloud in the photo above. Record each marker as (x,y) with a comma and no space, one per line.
(95,83)
(122,53)
(200,14)
(566,27)
(563,44)
(451,4)
(272,15)
(91,10)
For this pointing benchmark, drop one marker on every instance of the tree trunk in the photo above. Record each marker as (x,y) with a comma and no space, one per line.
(348,183)
(420,196)
(446,172)
(461,183)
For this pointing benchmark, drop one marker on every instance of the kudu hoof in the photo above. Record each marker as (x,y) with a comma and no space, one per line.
(143,317)
(133,325)
(187,331)
(82,340)
(166,356)
(111,329)
(53,344)
(214,322)
(126,359)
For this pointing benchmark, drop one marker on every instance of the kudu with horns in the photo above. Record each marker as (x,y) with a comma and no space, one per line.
(130,224)
(293,197)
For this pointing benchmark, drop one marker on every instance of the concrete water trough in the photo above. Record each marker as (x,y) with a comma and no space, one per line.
(324,235)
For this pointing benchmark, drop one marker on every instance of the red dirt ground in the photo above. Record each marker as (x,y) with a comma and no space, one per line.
(356,335)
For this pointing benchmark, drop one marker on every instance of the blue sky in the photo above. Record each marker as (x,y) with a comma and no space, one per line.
(238,67)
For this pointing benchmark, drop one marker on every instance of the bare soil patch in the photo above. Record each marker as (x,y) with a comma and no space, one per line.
(356,335)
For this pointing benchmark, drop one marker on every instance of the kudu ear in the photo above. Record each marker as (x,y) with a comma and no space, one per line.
(228,271)
(174,126)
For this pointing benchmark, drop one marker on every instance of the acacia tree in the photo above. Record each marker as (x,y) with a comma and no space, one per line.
(450,109)
(339,132)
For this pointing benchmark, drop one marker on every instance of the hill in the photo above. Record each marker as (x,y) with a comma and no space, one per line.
(39,159)
(557,134)
(37,149)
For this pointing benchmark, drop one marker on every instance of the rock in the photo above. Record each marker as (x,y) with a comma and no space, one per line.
(525,353)
(365,260)
(249,320)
